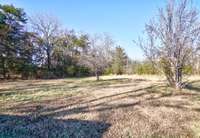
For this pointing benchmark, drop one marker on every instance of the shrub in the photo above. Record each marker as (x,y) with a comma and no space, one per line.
(71,70)
(144,68)
(108,71)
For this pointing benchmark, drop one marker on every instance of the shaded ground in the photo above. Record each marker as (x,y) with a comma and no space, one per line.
(117,106)
(24,126)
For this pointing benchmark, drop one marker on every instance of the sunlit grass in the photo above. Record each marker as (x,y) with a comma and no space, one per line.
(135,104)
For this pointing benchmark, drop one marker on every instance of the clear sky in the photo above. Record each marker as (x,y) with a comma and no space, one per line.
(124,20)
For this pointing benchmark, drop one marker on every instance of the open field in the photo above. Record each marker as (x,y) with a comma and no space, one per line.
(116,106)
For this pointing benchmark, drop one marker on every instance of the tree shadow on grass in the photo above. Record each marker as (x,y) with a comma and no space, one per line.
(80,105)
(148,94)
(194,85)
(32,88)
(44,124)
(47,127)
(101,104)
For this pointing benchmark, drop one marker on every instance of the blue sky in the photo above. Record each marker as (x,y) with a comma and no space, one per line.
(124,20)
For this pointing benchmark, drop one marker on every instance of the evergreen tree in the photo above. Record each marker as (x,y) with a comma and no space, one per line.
(12,35)
(119,61)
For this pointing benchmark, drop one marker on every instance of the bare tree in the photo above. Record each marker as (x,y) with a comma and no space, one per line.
(47,28)
(99,54)
(172,39)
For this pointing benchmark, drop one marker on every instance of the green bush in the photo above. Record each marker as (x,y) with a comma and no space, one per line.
(188,70)
(145,68)
(71,70)
(83,71)
(108,71)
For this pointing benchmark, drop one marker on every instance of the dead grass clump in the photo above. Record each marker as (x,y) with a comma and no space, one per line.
(148,122)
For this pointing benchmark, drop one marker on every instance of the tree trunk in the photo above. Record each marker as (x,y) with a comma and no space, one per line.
(97,75)
(174,78)
(3,68)
(178,78)
(48,60)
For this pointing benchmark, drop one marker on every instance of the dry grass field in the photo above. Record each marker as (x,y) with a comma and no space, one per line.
(115,107)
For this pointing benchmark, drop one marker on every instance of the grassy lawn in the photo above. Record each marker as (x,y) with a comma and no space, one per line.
(116,106)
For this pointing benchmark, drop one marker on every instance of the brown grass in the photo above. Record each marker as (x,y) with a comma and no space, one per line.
(116,106)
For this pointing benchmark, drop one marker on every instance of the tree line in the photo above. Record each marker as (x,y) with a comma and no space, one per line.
(39,47)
